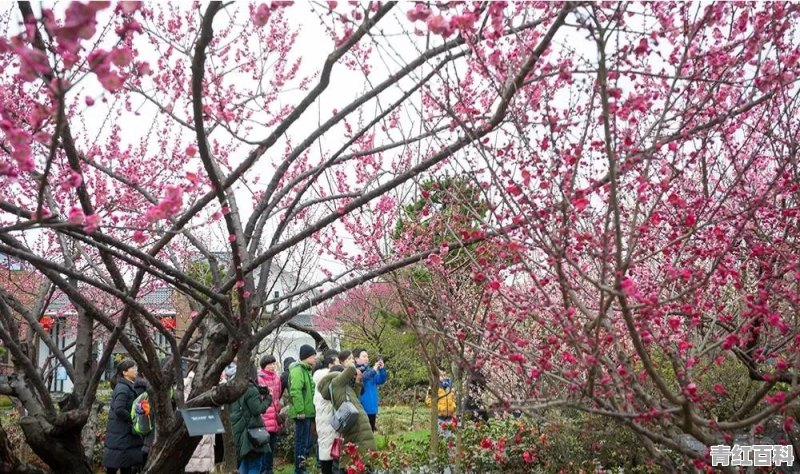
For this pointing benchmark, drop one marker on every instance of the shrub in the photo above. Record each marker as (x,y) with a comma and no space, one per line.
(502,444)
(6,402)
(285,446)
(614,445)
(16,438)
(100,433)
(732,375)
(554,442)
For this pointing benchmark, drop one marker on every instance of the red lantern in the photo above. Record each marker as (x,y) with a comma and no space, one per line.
(47,323)
(168,323)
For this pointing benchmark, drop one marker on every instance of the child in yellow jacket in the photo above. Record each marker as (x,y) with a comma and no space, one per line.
(446,405)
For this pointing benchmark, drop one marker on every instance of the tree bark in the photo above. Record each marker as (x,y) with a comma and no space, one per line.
(459,388)
(90,431)
(229,451)
(175,449)
(9,462)
(434,413)
(59,447)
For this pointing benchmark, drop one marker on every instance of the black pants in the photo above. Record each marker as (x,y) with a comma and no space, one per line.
(330,467)
(268,461)
(120,470)
(219,449)
(372,421)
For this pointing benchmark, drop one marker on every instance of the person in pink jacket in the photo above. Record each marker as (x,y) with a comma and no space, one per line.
(267,377)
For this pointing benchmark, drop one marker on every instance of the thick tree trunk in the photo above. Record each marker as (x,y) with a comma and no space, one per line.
(90,431)
(171,451)
(173,448)
(83,359)
(229,461)
(9,462)
(60,448)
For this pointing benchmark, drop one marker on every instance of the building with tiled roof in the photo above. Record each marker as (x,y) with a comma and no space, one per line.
(163,301)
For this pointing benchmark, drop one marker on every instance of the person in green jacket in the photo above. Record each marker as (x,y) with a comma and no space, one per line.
(301,391)
(246,414)
(334,387)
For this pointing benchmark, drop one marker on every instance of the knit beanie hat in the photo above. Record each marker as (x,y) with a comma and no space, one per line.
(306,351)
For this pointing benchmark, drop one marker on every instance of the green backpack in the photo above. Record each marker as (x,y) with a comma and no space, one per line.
(140,415)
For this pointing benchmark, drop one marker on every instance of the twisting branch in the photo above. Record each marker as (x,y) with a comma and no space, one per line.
(284,125)
(469,137)
(212,168)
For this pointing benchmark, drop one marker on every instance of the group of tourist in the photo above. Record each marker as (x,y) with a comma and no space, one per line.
(316,386)
(307,393)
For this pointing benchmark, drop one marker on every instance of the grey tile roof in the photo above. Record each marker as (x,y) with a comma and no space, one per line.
(158,301)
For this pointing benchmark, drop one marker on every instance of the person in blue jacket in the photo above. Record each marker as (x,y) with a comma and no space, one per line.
(371,378)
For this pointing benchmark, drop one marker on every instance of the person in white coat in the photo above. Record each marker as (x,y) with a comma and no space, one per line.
(203,456)
(325,432)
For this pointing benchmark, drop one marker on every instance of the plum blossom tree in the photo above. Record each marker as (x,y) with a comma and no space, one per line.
(441,293)
(641,162)
(365,313)
(138,140)
(646,186)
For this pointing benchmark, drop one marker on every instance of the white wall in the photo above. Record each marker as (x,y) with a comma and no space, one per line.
(46,362)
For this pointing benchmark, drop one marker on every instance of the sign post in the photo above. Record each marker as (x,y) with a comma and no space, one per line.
(202,421)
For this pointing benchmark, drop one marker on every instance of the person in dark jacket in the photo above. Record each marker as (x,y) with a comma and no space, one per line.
(345,357)
(123,448)
(336,387)
(246,414)
(287,362)
(286,400)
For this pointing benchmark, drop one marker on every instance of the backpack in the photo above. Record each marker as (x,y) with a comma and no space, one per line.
(140,415)
(345,416)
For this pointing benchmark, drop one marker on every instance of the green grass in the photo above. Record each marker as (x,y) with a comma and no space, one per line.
(400,419)
(285,469)
(407,427)
(406,441)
